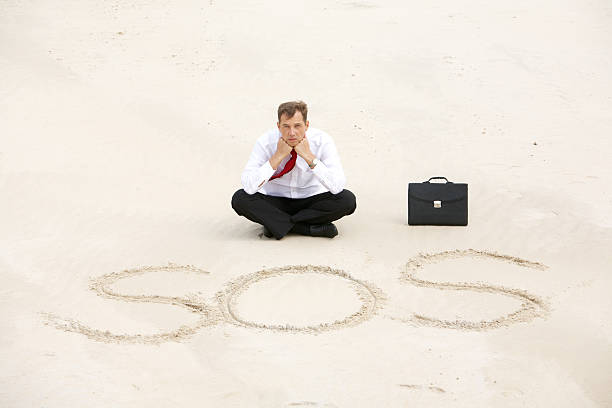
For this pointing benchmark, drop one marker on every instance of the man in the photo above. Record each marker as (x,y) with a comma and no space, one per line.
(293,181)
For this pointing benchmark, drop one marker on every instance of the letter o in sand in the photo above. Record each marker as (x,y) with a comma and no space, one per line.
(299,298)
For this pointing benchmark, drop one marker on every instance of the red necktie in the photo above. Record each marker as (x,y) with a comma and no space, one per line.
(288,166)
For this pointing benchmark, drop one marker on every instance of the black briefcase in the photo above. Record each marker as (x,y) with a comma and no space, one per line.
(437,203)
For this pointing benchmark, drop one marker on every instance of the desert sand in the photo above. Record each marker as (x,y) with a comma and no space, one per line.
(128,280)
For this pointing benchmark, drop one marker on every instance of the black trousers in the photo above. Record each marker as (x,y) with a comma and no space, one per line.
(280,214)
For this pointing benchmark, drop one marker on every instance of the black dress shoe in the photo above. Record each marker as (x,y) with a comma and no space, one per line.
(267,233)
(328,230)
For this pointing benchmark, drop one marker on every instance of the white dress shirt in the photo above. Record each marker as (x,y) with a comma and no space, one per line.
(301,181)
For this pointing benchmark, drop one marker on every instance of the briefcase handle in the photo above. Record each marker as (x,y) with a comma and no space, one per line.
(438,178)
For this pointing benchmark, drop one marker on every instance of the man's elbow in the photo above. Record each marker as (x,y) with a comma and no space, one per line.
(338,188)
(249,189)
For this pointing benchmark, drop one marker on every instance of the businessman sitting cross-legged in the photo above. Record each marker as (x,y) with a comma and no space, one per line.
(293,181)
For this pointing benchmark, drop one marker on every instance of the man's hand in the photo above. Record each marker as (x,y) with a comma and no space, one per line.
(303,150)
(282,150)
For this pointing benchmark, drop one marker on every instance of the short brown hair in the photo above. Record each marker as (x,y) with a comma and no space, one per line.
(289,108)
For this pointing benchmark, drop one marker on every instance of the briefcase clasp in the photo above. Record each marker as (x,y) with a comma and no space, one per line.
(437,204)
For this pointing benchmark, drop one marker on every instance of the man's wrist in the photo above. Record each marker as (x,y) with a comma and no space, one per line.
(313,163)
(276,160)
(308,157)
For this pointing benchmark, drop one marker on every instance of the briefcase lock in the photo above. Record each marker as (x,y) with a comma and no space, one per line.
(437,204)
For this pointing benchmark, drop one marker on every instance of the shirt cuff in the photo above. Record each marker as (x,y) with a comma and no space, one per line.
(320,169)
(265,172)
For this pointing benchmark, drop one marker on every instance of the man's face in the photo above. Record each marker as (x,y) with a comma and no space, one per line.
(292,129)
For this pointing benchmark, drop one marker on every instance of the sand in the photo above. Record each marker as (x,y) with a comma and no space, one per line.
(128,281)
(102,286)
(312,296)
(531,307)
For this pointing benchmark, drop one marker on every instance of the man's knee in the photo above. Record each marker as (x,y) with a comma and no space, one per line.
(238,200)
(348,201)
